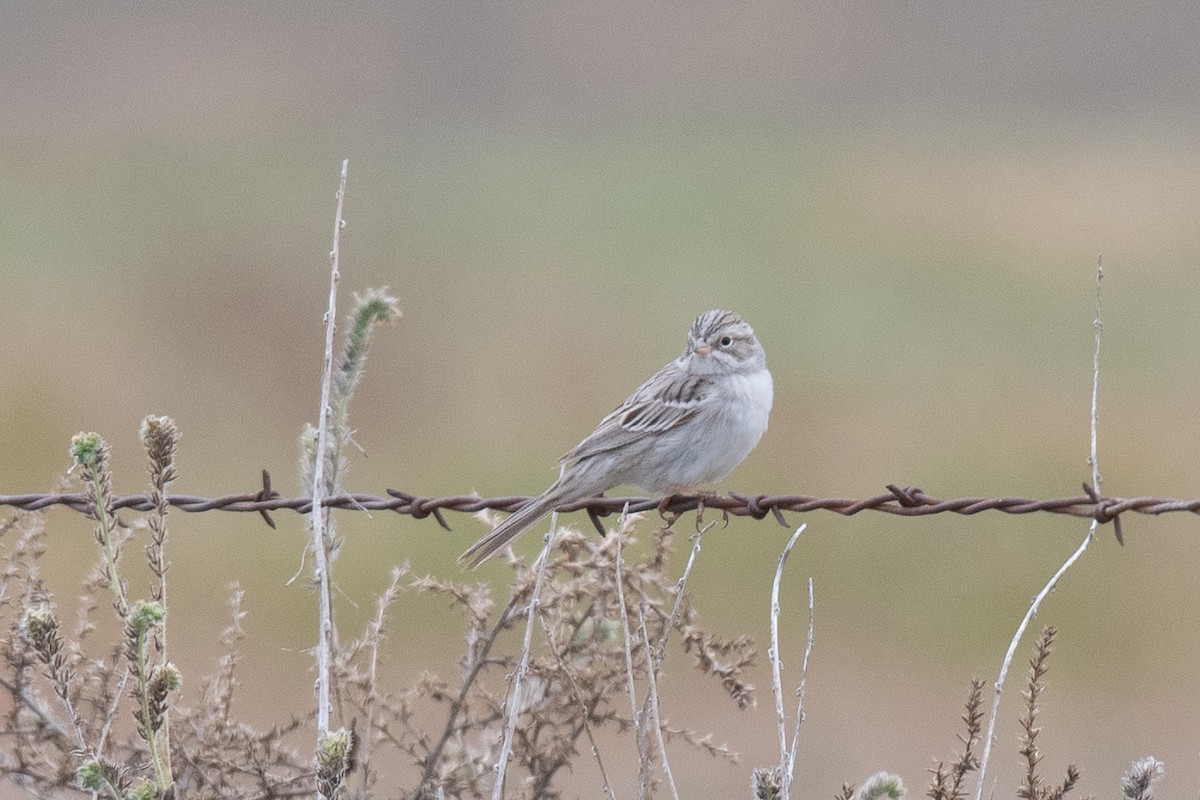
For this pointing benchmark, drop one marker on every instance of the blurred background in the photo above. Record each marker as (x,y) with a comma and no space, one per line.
(907,202)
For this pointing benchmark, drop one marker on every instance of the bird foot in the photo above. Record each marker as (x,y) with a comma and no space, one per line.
(684,496)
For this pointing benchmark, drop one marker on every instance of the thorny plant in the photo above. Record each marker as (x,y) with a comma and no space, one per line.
(61,727)
(948,781)
(59,742)
(947,784)
(1034,786)
(322,466)
(62,732)
(577,678)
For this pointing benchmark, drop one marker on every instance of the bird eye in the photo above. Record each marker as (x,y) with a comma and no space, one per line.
(726,341)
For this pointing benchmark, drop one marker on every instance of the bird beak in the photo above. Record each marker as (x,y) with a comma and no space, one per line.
(703,350)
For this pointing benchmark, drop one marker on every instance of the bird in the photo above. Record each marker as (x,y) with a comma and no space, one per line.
(690,424)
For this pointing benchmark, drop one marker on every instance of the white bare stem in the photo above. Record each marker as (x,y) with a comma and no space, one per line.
(317,515)
(808,646)
(652,699)
(512,711)
(1049,587)
(776,665)
(639,718)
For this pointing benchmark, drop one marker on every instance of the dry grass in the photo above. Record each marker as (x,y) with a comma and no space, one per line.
(66,695)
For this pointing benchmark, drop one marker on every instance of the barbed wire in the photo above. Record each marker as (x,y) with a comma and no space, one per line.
(908,501)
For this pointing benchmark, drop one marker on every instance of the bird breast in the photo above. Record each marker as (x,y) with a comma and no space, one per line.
(709,447)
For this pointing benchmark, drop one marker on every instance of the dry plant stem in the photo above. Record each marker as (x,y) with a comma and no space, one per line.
(477,666)
(111,712)
(160,436)
(60,678)
(948,785)
(808,645)
(652,698)
(142,661)
(33,704)
(1093,461)
(639,718)
(583,708)
(679,587)
(375,634)
(512,711)
(661,649)
(317,516)
(1097,328)
(104,533)
(1029,731)
(776,666)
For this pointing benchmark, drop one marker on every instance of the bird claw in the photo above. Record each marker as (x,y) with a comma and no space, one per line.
(670,517)
(701,499)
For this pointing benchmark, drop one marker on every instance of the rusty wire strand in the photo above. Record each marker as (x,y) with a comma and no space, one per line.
(900,501)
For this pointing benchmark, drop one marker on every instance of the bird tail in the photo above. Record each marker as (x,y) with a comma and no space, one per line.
(500,536)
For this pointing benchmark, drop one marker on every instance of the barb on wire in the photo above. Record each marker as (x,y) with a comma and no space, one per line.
(908,501)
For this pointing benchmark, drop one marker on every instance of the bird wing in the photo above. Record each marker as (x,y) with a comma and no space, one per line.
(668,399)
